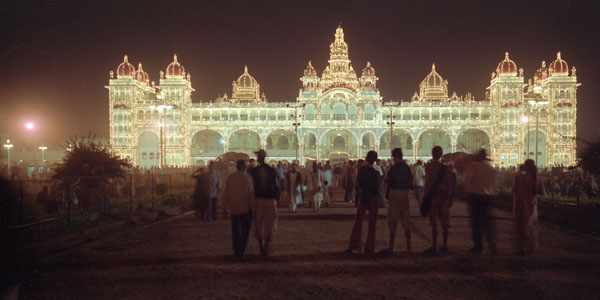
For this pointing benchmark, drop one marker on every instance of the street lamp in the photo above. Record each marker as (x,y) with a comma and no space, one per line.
(391,105)
(43,148)
(161,110)
(537,103)
(30,126)
(8,145)
(525,119)
(296,123)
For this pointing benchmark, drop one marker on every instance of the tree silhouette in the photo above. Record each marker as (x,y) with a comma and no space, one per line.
(91,162)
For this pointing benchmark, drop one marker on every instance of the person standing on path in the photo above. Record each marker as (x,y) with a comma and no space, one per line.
(527,186)
(265,204)
(439,209)
(328,182)
(479,181)
(293,180)
(280,179)
(419,180)
(200,195)
(350,182)
(214,185)
(369,181)
(316,186)
(382,172)
(238,200)
(399,183)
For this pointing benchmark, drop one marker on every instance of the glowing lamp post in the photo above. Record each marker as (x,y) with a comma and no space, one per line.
(161,110)
(43,148)
(537,103)
(525,120)
(296,124)
(8,145)
(391,122)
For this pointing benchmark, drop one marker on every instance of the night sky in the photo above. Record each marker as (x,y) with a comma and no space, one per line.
(55,56)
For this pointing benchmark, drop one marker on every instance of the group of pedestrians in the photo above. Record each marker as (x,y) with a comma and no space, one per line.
(434,186)
(251,195)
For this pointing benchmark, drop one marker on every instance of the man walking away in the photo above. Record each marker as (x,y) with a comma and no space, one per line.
(419,180)
(238,199)
(265,204)
(369,181)
(201,193)
(399,183)
(440,197)
(479,180)
(214,185)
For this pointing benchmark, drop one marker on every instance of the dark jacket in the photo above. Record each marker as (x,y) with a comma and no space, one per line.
(400,177)
(265,182)
(368,182)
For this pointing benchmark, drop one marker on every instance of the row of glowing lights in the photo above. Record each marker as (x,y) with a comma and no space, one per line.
(29,126)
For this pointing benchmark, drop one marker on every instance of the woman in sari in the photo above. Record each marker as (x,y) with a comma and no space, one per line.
(526,188)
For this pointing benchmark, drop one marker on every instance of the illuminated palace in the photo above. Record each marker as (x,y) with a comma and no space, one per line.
(340,115)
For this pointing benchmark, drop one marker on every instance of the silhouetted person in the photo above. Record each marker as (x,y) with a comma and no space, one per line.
(350,182)
(201,193)
(265,204)
(525,190)
(369,181)
(419,180)
(238,200)
(440,196)
(399,183)
(479,180)
(214,185)
(293,186)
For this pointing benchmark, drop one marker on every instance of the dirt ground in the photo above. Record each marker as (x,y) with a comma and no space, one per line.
(183,258)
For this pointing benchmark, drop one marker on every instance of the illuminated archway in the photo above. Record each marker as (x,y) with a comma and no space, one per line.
(530,147)
(339,140)
(245,141)
(207,143)
(310,145)
(148,150)
(431,138)
(471,140)
(281,143)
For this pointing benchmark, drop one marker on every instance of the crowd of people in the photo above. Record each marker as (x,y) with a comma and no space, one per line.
(252,194)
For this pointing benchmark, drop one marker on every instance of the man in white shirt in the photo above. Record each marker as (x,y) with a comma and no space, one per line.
(479,180)
(238,199)
(419,180)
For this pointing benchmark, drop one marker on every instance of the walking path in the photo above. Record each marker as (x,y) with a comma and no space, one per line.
(182,258)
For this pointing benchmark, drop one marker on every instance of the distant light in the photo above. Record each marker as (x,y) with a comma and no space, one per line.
(29,125)
(221,141)
(524,119)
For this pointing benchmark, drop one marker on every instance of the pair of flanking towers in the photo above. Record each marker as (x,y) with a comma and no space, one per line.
(341,115)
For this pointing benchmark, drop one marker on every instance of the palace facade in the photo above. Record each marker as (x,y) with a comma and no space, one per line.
(341,115)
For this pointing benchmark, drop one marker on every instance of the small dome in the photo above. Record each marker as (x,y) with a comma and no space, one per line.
(140,75)
(368,69)
(310,70)
(175,69)
(433,79)
(125,68)
(246,80)
(507,66)
(559,65)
